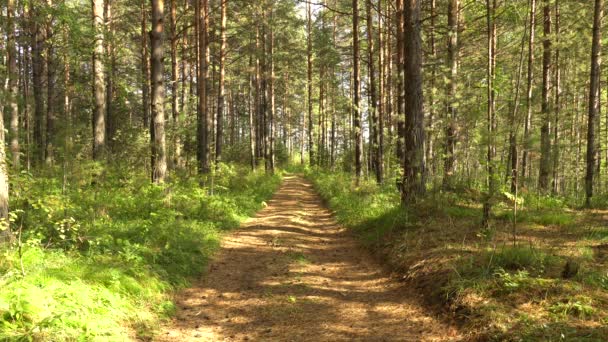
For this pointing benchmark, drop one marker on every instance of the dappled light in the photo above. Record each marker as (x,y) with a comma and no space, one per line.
(293,273)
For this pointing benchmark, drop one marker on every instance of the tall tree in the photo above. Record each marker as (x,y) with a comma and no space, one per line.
(203,117)
(356,88)
(400,82)
(271,95)
(375,131)
(413,169)
(545,130)
(5,234)
(159,153)
(491,124)
(177,148)
(557,104)
(594,98)
(37,44)
(530,89)
(145,66)
(221,87)
(451,128)
(49,147)
(99,116)
(13,86)
(311,148)
(110,72)
(382,91)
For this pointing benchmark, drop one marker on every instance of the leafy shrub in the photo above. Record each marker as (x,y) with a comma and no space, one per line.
(104,254)
(579,307)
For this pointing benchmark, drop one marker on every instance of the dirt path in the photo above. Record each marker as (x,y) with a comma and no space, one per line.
(293,274)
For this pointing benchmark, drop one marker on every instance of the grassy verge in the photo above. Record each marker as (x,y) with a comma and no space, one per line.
(100,260)
(550,284)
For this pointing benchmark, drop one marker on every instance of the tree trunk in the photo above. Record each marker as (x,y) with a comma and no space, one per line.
(512,161)
(175,114)
(271,95)
(356,88)
(414,169)
(110,73)
(259,118)
(99,117)
(252,130)
(5,233)
(451,129)
(373,106)
(594,99)
(382,92)
(203,117)
(528,121)
(221,88)
(491,27)
(311,148)
(400,83)
(145,66)
(159,152)
(13,86)
(545,131)
(37,70)
(558,93)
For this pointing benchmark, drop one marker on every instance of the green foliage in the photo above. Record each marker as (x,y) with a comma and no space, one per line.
(520,258)
(102,257)
(579,307)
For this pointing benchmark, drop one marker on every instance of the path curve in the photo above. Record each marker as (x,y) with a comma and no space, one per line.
(293,274)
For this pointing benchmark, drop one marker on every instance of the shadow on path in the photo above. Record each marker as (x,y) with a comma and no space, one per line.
(293,274)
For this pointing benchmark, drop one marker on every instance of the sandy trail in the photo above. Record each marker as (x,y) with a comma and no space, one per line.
(293,274)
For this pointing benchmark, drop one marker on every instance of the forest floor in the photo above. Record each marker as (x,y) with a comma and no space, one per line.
(293,274)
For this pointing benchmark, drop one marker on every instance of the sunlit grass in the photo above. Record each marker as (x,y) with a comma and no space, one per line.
(109,274)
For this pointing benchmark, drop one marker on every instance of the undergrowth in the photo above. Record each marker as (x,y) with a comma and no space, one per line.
(548,284)
(100,258)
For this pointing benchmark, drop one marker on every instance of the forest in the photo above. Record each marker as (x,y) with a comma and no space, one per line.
(303,170)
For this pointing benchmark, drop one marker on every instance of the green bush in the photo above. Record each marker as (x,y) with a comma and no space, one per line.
(102,256)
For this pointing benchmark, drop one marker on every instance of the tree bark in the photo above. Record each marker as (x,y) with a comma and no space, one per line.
(400,83)
(558,93)
(373,108)
(594,98)
(221,87)
(5,233)
(110,74)
(203,117)
(311,148)
(382,92)
(356,88)
(414,169)
(145,66)
(252,129)
(159,152)
(530,88)
(491,149)
(452,107)
(99,116)
(13,86)
(175,114)
(271,95)
(545,131)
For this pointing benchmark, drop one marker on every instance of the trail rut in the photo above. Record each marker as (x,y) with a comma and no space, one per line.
(293,274)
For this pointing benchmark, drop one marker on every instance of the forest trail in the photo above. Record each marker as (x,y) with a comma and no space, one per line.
(293,274)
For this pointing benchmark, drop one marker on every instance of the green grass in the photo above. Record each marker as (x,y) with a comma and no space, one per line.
(101,260)
(370,210)
(500,290)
